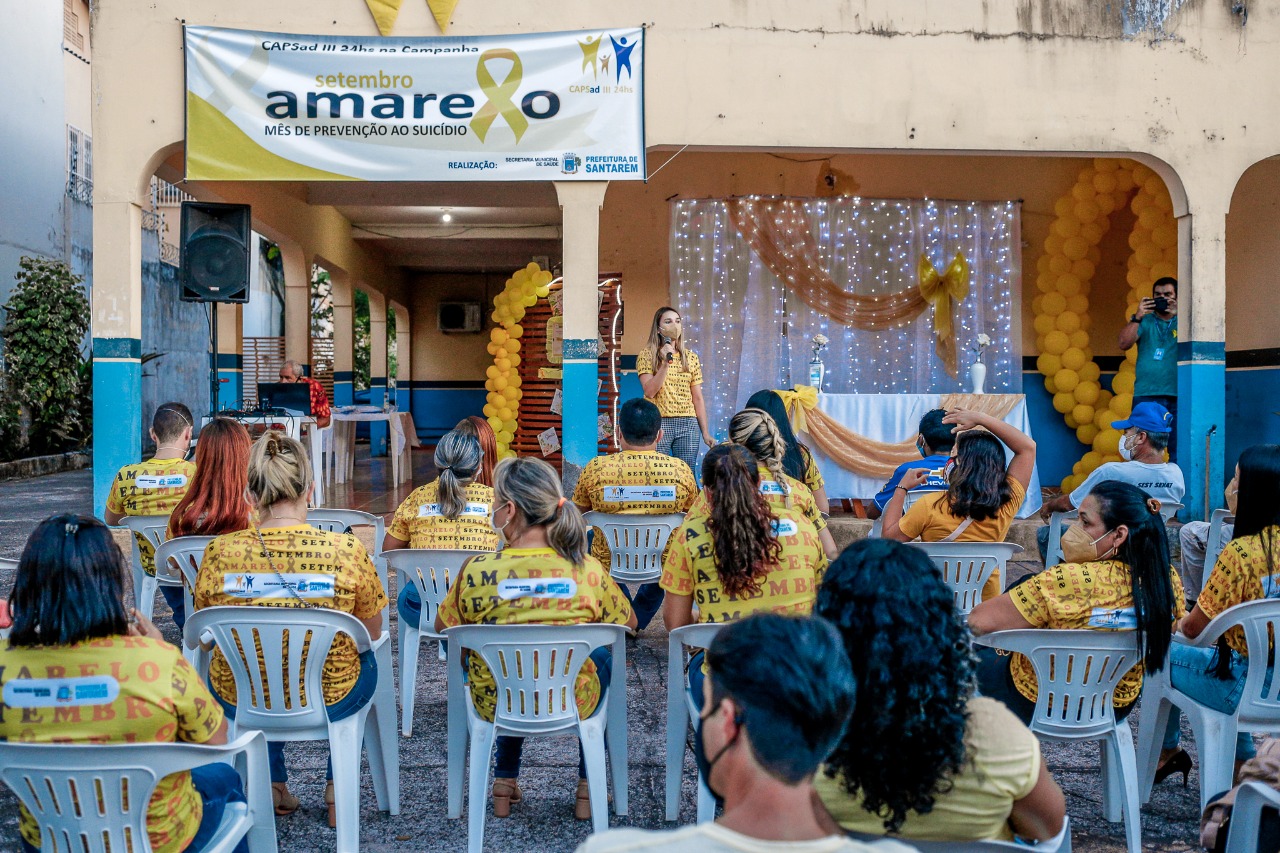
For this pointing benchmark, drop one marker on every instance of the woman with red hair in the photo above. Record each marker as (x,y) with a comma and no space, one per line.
(482,430)
(214,503)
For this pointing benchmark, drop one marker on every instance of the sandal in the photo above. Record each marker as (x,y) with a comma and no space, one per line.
(328,801)
(582,803)
(505,792)
(284,802)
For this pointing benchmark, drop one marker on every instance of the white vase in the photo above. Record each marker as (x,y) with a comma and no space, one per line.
(978,377)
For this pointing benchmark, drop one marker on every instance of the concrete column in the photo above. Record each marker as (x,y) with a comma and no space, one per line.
(580,203)
(116,305)
(377,368)
(230,356)
(297,302)
(343,339)
(404,359)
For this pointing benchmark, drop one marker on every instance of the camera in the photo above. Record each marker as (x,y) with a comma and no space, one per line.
(1162,304)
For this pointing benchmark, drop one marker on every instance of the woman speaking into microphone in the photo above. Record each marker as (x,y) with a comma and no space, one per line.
(671,376)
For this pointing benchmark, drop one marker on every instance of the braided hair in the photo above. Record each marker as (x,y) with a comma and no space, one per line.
(755,430)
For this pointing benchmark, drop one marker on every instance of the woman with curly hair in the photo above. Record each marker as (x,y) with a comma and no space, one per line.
(738,555)
(923,757)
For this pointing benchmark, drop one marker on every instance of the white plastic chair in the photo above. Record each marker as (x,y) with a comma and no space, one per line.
(1246,816)
(1060,843)
(966,566)
(145,586)
(1058,523)
(8,564)
(342,520)
(430,572)
(58,783)
(1076,673)
(184,554)
(535,668)
(636,543)
(276,708)
(1217,538)
(683,711)
(1214,731)
(907,503)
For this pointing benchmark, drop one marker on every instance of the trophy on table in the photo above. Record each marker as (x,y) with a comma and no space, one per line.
(818,370)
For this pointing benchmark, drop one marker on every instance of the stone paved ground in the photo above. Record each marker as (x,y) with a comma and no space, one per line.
(544,820)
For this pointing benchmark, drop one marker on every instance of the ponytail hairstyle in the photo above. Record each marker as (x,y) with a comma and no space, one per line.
(483,431)
(458,457)
(278,469)
(534,487)
(1146,552)
(214,503)
(741,524)
(755,430)
(793,462)
(655,338)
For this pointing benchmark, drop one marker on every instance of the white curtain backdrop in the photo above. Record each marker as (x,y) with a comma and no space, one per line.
(752,334)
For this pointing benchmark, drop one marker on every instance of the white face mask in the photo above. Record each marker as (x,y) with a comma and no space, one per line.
(1126,451)
(493,523)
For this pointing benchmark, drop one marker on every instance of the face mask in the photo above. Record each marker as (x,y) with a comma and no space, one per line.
(920,447)
(1077,547)
(1230,495)
(1126,451)
(501,531)
(704,764)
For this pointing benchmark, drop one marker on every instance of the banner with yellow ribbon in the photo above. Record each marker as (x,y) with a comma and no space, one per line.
(943,291)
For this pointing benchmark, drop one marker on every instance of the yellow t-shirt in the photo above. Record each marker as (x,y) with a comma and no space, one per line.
(634,482)
(1097,596)
(930,520)
(812,476)
(1003,766)
(1242,574)
(789,587)
(112,690)
(494,589)
(153,487)
(418,520)
(674,399)
(775,494)
(322,569)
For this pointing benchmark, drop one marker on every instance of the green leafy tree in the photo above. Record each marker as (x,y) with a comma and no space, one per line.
(360,358)
(47,319)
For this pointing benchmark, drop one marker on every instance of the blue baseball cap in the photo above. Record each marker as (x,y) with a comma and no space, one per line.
(1148,417)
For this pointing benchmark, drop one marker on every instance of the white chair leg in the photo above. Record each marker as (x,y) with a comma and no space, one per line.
(1126,764)
(591,733)
(344,751)
(677,726)
(410,641)
(1216,741)
(482,738)
(147,598)
(385,741)
(1112,791)
(706,802)
(255,775)
(1156,710)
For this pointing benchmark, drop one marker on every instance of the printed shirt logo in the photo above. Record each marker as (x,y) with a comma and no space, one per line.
(160,481)
(784,527)
(57,692)
(1113,619)
(773,487)
(472,510)
(251,585)
(552,588)
(620,494)
(1270,586)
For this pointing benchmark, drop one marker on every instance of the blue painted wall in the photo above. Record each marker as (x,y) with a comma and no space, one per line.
(438,405)
(1252,401)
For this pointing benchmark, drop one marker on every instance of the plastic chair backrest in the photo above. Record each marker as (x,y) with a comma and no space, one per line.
(636,542)
(966,566)
(431,572)
(1076,674)
(59,784)
(680,640)
(184,554)
(342,520)
(1218,537)
(246,635)
(1245,827)
(1259,701)
(534,669)
(1060,843)
(152,527)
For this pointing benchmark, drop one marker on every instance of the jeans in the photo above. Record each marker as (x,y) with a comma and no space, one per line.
(646,602)
(1192,672)
(696,677)
(506,753)
(1170,403)
(217,785)
(1194,538)
(361,692)
(174,598)
(1042,543)
(995,681)
(409,606)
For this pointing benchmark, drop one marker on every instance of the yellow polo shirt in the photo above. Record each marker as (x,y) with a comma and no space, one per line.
(634,482)
(153,487)
(675,398)
(1242,574)
(418,520)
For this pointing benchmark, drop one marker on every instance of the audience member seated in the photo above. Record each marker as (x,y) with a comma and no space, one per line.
(452,511)
(798,461)
(1116,576)
(283,543)
(982,495)
(69,618)
(767,722)
(483,431)
(923,758)
(934,444)
(291,371)
(214,503)
(1146,436)
(755,430)
(155,487)
(1248,569)
(1194,539)
(739,554)
(637,481)
(544,536)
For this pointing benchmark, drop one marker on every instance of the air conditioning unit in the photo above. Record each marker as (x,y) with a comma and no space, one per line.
(456,318)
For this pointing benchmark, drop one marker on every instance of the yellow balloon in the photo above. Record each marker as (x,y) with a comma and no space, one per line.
(1086,433)
(509,426)
(1104,183)
(1054,303)
(542,291)
(1160,269)
(499,383)
(1053,245)
(1069,484)
(488,410)
(1073,358)
(1087,394)
(1067,226)
(1075,248)
(1079,338)
(519,276)
(532,269)
(494,422)
(1122,405)
(502,364)
(491,371)
(1083,269)
(1106,204)
(1148,254)
(1048,364)
(1070,420)
(1123,382)
(1056,342)
(498,336)
(1066,380)
(1103,416)
(531,300)
(1068,285)
(516,331)
(1083,415)
(1049,386)
(512,394)
(1063,402)
(505,437)
(1059,264)
(1078,305)
(1068,321)
(1108,441)
(1063,206)
(1090,372)
(1044,324)
(1037,305)
(1086,211)
(1083,191)
(513,346)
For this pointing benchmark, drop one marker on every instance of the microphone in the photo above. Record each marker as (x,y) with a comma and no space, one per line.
(670,356)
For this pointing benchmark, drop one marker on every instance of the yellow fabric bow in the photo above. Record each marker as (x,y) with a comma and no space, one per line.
(797,400)
(939,291)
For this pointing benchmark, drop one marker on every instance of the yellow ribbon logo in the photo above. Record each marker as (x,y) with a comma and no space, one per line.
(499,103)
(939,291)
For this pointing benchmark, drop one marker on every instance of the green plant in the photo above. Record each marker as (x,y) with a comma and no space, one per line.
(361,337)
(47,319)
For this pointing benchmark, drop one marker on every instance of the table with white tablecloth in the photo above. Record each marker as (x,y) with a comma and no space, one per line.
(404,437)
(893,418)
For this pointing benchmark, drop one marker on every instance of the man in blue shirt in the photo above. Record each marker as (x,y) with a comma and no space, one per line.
(934,443)
(1154,328)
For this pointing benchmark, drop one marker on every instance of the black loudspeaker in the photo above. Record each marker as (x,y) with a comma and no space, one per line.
(215,252)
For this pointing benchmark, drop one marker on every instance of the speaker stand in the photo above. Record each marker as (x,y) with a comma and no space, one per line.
(214,383)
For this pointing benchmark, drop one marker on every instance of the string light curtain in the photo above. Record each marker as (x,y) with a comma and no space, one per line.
(753,332)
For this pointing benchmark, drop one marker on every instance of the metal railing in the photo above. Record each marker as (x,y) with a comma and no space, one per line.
(80,189)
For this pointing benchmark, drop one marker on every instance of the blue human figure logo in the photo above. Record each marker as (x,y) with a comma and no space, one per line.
(622,55)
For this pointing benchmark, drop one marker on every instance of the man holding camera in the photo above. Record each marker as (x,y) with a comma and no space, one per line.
(1154,328)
